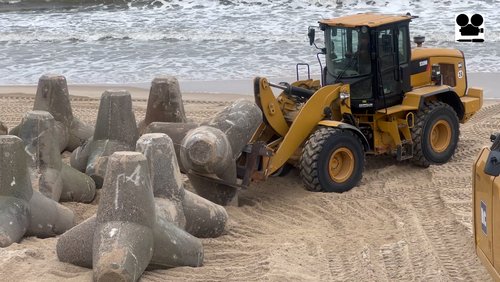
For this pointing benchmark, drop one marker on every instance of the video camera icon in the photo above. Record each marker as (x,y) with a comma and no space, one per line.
(470,30)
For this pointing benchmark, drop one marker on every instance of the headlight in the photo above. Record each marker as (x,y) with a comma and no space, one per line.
(344,95)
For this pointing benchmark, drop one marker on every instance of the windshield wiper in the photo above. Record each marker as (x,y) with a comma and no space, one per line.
(348,65)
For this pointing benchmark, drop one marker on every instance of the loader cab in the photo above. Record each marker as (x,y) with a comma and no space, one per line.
(371,53)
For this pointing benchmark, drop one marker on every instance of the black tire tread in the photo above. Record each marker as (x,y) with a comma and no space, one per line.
(417,131)
(309,160)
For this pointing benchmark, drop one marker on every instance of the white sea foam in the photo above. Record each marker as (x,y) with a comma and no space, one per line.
(207,39)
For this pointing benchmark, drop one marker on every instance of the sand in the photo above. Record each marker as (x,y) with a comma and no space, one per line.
(401,223)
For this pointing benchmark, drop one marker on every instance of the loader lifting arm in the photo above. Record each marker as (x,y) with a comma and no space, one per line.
(276,148)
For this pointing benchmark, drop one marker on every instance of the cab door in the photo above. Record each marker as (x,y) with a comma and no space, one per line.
(391,56)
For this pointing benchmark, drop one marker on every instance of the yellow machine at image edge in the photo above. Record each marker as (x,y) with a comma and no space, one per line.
(486,207)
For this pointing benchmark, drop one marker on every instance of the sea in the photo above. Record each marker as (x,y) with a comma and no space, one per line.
(127,42)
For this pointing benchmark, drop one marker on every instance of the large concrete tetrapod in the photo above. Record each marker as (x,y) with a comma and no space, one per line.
(175,130)
(164,102)
(173,247)
(115,130)
(52,96)
(128,232)
(22,210)
(123,240)
(48,173)
(15,190)
(38,130)
(165,176)
(213,148)
(187,210)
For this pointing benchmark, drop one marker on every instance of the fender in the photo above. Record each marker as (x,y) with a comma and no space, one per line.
(346,126)
(415,99)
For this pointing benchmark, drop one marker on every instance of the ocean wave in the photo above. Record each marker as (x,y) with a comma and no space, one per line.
(16,5)
(149,36)
(205,39)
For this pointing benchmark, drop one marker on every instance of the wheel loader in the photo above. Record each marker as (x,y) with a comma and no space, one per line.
(486,206)
(376,95)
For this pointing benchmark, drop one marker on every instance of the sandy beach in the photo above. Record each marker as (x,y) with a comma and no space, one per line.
(401,223)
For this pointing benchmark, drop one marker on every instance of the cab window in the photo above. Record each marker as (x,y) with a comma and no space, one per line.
(403,45)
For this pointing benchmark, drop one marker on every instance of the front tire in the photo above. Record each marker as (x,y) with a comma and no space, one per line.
(332,160)
(435,134)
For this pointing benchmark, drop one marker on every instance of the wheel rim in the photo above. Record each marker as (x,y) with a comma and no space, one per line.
(440,137)
(341,165)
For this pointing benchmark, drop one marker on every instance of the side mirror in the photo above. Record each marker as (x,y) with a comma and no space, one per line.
(311,32)
(493,164)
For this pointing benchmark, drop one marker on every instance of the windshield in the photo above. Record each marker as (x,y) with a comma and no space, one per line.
(348,52)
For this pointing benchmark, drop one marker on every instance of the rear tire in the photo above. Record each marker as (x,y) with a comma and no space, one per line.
(332,160)
(435,134)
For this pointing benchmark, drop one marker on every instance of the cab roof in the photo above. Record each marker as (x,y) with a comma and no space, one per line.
(366,19)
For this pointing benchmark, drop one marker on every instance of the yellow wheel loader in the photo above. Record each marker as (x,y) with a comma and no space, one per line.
(486,206)
(376,96)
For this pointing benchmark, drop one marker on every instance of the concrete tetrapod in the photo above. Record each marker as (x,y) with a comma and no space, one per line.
(127,234)
(176,131)
(115,130)
(22,210)
(164,102)
(187,210)
(164,174)
(173,247)
(52,96)
(212,149)
(123,240)
(48,174)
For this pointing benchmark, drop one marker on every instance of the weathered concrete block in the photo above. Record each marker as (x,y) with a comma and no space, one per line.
(206,150)
(127,234)
(116,119)
(77,186)
(172,246)
(214,190)
(115,130)
(123,241)
(176,131)
(204,219)
(122,251)
(164,172)
(48,218)
(14,175)
(14,220)
(23,210)
(238,121)
(78,133)
(52,96)
(15,190)
(39,132)
(164,102)
(212,149)
(75,245)
(97,162)
(48,174)
(80,156)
